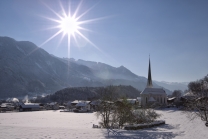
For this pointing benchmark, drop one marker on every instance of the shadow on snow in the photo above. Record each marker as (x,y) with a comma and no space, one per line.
(152,133)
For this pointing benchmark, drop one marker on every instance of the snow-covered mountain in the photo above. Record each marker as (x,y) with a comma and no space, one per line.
(28,69)
(173,85)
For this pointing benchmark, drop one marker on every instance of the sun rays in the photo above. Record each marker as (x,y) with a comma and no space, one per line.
(69,24)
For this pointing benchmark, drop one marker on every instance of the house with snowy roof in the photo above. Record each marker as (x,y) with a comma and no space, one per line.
(6,107)
(82,106)
(94,104)
(130,101)
(29,107)
(150,94)
(52,106)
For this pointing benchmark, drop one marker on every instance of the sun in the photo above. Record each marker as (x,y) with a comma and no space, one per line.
(69,25)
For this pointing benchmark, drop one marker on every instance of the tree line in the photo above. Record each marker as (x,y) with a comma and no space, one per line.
(87,93)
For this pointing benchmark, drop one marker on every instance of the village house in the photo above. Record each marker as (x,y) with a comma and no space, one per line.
(6,107)
(82,106)
(52,106)
(29,107)
(94,104)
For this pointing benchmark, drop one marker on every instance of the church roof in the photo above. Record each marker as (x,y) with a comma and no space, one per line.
(153,91)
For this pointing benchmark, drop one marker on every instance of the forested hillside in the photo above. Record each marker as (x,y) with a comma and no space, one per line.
(89,93)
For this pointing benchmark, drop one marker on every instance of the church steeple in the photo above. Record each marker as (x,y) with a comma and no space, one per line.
(149,80)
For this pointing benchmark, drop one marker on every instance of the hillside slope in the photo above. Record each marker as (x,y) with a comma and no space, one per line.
(26,69)
(89,93)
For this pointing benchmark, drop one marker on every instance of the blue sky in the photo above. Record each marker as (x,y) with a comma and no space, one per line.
(173,32)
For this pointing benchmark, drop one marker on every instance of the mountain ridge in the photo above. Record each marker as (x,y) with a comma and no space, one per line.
(26,69)
(173,85)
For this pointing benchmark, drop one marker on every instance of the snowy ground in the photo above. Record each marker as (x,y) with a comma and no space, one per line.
(68,125)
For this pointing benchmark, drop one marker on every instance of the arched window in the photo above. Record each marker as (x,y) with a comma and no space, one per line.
(164,100)
(146,99)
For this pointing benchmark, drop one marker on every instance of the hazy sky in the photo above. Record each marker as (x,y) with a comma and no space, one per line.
(173,32)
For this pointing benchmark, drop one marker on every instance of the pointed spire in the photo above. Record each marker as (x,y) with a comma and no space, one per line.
(149,80)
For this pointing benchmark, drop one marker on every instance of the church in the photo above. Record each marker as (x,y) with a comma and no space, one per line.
(150,94)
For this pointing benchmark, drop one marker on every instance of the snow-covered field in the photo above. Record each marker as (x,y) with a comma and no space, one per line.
(68,125)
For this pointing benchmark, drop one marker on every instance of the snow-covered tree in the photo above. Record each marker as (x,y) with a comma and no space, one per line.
(198,106)
(177,93)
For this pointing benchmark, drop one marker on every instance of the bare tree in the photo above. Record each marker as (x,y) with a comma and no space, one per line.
(106,106)
(198,106)
(199,87)
(116,112)
(177,93)
(145,115)
(123,112)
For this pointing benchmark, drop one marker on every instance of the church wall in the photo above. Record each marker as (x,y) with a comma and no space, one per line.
(162,99)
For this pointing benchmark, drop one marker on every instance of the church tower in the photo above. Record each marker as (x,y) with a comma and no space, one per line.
(151,95)
(149,80)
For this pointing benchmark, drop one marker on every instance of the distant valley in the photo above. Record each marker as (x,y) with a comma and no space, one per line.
(173,85)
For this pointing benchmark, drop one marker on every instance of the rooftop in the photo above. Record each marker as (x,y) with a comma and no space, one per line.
(153,91)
